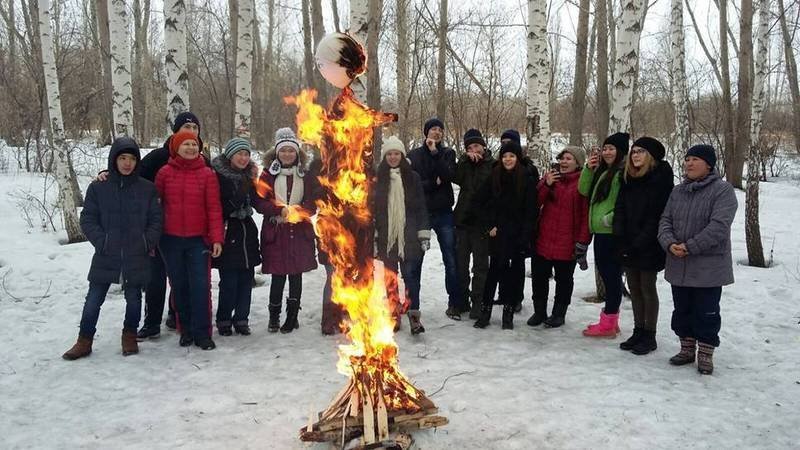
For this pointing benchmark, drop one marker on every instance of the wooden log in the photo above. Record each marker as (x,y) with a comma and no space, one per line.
(369,419)
(383,419)
(423,423)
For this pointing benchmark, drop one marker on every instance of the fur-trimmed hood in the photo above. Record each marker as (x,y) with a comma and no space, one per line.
(222,166)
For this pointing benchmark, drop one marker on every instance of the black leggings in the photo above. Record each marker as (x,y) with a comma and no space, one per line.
(279,281)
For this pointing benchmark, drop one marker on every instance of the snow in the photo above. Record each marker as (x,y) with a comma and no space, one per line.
(526,388)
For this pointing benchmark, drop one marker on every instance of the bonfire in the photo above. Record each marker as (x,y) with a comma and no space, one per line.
(379,403)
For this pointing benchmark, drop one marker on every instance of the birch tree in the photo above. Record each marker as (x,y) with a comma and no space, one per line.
(374,74)
(403,90)
(734,167)
(121,68)
(66,199)
(308,50)
(175,60)
(579,85)
(142,67)
(441,63)
(791,73)
(678,77)
(359,24)
(244,67)
(627,45)
(752,227)
(603,108)
(538,73)
(727,100)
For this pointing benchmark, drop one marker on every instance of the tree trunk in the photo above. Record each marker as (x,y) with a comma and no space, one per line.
(441,63)
(678,75)
(603,111)
(69,211)
(579,85)
(308,51)
(373,39)
(403,90)
(335,9)
(269,68)
(752,226)
(318,31)
(244,68)
(744,87)
(727,101)
(121,65)
(141,68)
(175,60)
(630,29)
(612,46)
(791,74)
(538,73)
(104,38)
(359,24)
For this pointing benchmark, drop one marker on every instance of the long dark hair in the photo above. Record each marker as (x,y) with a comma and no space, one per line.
(517,176)
(604,186)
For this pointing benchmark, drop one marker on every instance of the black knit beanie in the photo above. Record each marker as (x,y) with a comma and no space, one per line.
(473,136)
(620,141)
(652,145)
(704,152)
(184,118)
(433,122)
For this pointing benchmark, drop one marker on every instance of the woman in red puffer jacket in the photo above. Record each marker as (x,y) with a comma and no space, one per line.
(192,230)
(563,237)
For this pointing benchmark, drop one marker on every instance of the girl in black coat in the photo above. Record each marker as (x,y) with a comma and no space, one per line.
(122,219)
(241,251)
(646,185)
(509,213)
(401,228)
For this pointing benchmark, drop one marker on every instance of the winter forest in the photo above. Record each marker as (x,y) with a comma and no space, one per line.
(78,76)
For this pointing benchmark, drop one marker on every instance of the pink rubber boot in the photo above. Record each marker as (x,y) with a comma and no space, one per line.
(607,328)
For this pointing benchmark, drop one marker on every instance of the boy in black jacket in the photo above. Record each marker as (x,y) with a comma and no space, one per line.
(122,219)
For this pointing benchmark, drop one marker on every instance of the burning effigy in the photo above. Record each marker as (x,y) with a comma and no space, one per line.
(379,404)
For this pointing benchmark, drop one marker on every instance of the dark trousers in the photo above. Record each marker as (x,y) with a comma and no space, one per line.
(155,292)
(509,273)
(235,295)
(443,225)
(610,271)
(473,243)
(644,298)
(94,300)
(279,282)
(332,314)
(411,275)
(189,269)
(696,313)
(542,269)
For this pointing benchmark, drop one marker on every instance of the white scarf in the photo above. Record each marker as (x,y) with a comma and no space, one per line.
(396,212)
(281,186)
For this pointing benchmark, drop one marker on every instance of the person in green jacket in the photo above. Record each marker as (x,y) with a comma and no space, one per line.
(600,183)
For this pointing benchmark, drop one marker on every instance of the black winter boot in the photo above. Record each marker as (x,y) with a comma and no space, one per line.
(292,308)
(485,316)
(686,355)
(645,344)
(274,318)
(705,363)
(508,317)
(631,342)
(414,322)
(224,328)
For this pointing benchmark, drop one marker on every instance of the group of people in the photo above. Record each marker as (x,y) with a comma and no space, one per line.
(199,214)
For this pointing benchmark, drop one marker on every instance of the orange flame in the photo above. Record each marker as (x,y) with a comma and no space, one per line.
(344,226)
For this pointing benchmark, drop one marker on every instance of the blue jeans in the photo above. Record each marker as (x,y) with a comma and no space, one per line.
(235,296)
(189,270)
(411,278)
(696,313)
(610,271)
(444,227)
(94,300)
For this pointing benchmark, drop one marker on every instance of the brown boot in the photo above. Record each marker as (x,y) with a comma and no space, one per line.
(705,361)
(129,344)
(687,353)
(83,347)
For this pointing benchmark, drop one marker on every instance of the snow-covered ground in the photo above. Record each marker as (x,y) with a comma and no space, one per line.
(526,388)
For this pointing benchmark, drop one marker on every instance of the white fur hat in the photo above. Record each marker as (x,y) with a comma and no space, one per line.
(392,143)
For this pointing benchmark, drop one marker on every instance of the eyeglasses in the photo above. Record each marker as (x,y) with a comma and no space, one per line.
(637,150)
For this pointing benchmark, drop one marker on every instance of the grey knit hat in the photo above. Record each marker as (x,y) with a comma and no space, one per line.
(235,145)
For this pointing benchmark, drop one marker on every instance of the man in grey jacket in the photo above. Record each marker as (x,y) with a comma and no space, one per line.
(695,231)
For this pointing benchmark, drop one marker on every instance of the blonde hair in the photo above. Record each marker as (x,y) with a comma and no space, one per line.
(634,172)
